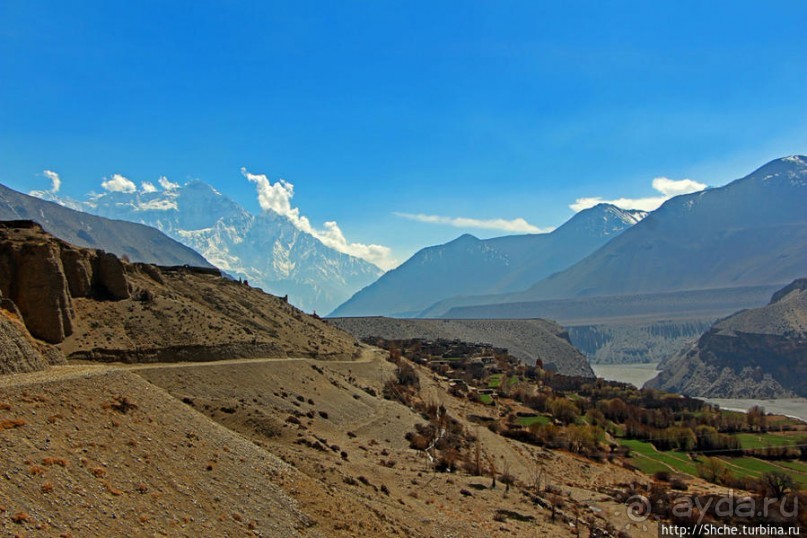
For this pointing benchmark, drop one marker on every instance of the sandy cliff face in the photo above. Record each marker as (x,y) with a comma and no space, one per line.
(42,275)
(756,353)
(17,352)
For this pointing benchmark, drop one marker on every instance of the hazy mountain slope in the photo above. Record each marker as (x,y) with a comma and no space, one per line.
(266,249)
(675,305)
(140,243)
(750,232)
(528,339)
(756,353)
(469,265)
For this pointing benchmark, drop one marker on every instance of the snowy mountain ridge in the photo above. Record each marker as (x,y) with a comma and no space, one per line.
(266,249)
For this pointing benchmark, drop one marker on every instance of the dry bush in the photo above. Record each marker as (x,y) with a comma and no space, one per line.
(111,489)
(20,518)
(36,470)
(9,424)
(122,405)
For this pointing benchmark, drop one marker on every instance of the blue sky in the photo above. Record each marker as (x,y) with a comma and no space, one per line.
(374,110)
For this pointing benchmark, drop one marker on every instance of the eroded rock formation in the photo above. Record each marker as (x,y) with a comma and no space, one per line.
(41,275)
(755,353)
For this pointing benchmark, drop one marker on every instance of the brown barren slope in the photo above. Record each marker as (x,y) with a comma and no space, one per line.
(93,305)
(112,455)
(334,411)
(527,339)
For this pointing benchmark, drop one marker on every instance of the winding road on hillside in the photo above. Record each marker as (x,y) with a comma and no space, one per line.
(87,369)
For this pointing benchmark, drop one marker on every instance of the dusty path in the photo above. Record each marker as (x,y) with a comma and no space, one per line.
(87,369)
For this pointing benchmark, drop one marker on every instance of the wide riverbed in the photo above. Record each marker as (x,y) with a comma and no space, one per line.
(638,374)
(792,407)
(635,374)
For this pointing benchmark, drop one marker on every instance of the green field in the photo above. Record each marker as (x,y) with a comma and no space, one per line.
(649,460)
(761,440)
(798,466)
(529,421)
(754,468)
(495,381)
(486,399)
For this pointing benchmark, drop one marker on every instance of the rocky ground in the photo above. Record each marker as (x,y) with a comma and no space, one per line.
(213,409)
(186,449)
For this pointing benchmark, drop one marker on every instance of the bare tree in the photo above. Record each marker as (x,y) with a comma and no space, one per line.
(506,478)
(492,469)
(776,484)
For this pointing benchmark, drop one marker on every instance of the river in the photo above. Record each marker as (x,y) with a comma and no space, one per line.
(638,374)
(635,374)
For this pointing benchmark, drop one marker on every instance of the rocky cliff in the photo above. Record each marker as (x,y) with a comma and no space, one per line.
(92,305)
(755,353)
(18,353)
(42,275)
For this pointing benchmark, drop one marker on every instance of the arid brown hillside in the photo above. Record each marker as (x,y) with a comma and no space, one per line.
(527,339)
(302,448)
(92,305)
(109,454)
(755,353)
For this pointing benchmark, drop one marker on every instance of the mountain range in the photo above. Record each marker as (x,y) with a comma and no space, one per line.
(137,242)
(749,233)
(472,266)
(267,249)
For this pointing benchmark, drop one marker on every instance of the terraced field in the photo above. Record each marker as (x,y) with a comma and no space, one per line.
(529,421)
(755,468)
(762,440)
(650,460)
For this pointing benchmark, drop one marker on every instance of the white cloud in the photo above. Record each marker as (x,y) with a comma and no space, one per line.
(147,187)
(664,185)
(167,185)
(675,187)
(378,255)
(56,181)
(277,197)
(118,183)
(517,225)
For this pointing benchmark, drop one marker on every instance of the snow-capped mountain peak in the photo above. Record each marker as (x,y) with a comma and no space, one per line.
(266,249)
